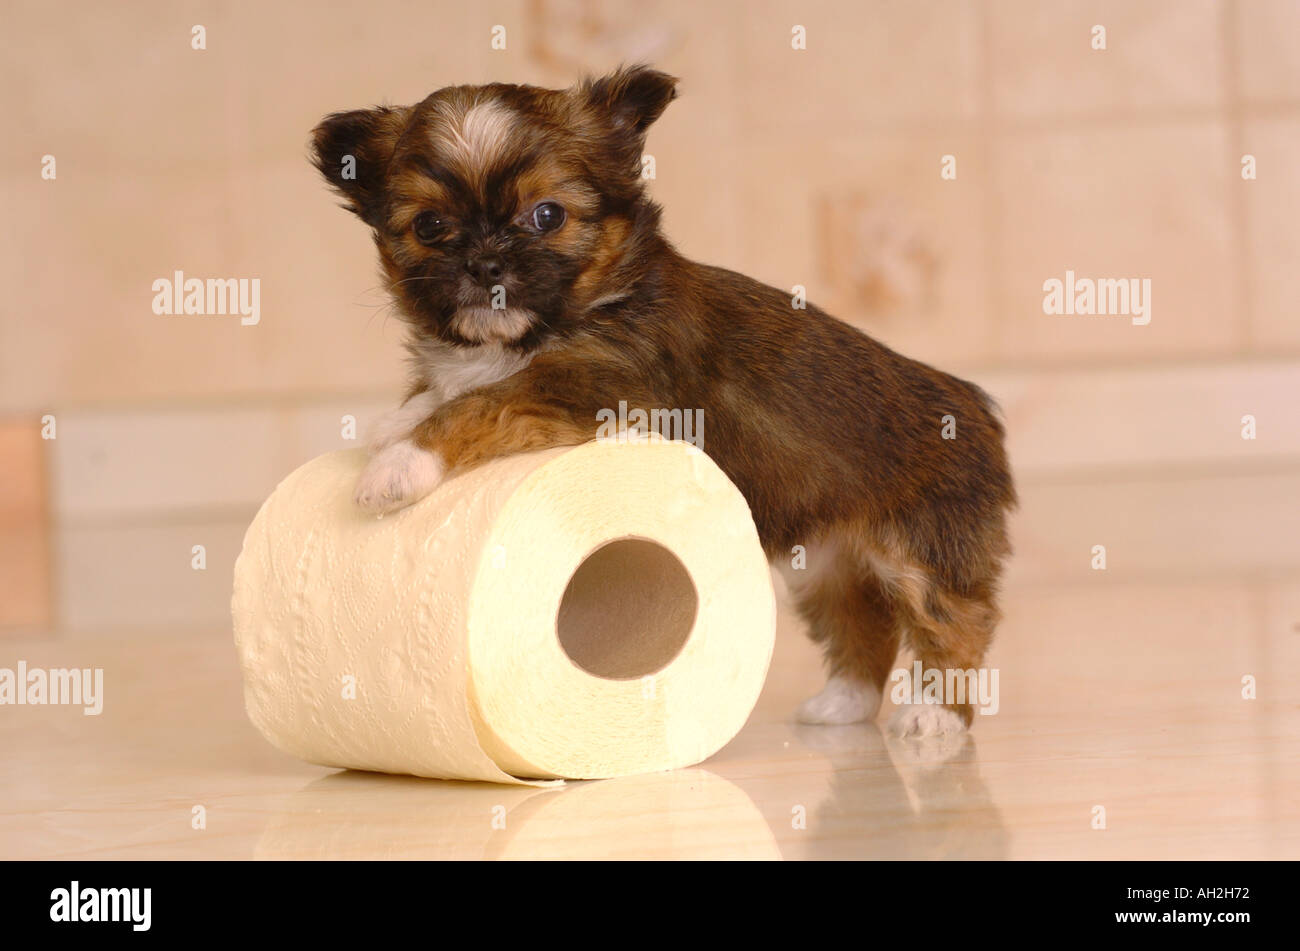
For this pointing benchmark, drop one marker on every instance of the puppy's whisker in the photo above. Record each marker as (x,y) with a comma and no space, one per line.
(407,280)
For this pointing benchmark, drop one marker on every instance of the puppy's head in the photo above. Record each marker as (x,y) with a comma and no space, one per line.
(501,213)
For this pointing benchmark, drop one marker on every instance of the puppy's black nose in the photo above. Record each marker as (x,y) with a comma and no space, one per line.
(487,269)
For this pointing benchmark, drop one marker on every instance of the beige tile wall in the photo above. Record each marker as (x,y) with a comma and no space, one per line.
(25,596)
(1161,56)
(817,167)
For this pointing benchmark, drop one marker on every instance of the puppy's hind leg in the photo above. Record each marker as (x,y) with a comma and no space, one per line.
(850,613)
(950,634)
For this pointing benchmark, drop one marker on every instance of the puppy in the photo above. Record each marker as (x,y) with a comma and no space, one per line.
(517,241)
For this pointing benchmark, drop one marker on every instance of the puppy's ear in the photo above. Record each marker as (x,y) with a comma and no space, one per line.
(352,151)
(630,98)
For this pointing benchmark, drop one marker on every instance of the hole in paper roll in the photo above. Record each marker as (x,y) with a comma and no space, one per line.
(627,611)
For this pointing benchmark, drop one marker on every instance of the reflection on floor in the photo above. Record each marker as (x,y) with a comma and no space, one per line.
(1122,733)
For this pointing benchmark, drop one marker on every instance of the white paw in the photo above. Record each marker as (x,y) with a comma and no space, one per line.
(842,700)
(397,476)
(924,719)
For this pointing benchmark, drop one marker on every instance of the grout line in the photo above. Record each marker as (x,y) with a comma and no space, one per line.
(1258,581)
(987,147)
(217,402)
(1240,225)
(1239,220)
(1155,118)
(1165,472)
(1155,362)
(145,519)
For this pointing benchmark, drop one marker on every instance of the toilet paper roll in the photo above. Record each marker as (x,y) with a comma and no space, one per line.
(576,613)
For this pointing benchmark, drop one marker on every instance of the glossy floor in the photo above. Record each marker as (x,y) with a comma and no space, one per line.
(1127,713)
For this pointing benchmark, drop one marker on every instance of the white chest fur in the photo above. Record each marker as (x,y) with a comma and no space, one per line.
(454,370)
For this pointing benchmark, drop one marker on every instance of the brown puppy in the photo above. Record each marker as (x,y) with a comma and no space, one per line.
(516,238)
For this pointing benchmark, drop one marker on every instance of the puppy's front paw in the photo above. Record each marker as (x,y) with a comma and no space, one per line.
(397,476)
(842,700)
(925,719)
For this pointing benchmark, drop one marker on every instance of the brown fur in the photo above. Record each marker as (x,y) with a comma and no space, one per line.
(832,437)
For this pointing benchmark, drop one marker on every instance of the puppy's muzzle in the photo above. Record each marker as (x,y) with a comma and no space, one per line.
(486,269)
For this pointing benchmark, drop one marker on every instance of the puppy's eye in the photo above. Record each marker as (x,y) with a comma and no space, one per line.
(428,227)
(548,216)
